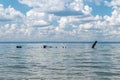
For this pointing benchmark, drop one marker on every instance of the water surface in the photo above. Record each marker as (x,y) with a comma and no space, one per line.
(75,62)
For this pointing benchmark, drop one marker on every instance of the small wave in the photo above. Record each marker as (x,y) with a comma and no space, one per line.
(56,69)
(107,73)
(91,66)
(15,57)
(17,66)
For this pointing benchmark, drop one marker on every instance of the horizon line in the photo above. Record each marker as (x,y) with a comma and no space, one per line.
(58,41)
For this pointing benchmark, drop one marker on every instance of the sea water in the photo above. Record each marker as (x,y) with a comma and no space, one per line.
(70,61)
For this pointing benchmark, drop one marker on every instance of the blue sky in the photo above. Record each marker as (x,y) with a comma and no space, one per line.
(59,20)
(101,10)
(16,5)
(96,9)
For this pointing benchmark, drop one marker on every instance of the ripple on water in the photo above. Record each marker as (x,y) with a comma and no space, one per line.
(17,66)
(72,63)
(107,73)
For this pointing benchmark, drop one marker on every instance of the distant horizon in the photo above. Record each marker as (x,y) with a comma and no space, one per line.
(59,41)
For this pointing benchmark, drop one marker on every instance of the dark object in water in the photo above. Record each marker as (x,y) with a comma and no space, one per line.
(93,46)
(18,46)
(63,46)
(44,46)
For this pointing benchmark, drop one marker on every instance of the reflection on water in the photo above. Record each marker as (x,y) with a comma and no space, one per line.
(75,62)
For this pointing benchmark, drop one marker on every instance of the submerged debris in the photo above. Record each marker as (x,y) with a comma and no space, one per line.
(93,46)
(19,46)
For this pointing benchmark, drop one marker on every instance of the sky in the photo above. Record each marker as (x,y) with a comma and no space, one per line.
(59,20)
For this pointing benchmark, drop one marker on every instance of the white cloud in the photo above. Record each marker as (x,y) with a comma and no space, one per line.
(113,3)
(47,20)
(12,25)
(45,5)
(87,10)
(86,27)
(114,18)
(35,18)
(9,13)
(57,5)
(77,5)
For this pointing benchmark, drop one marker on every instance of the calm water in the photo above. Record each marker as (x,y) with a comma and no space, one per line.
(75,62)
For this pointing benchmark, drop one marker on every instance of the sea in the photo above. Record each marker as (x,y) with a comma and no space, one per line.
(59,61)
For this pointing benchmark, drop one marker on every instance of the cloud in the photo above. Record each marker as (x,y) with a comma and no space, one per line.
(66,13)
(114,18)
(12,25)
(58,20)
(112,3)
(57,24)
(5,20)
(9,14)
(38,19)
(57,5)
(45,5)
(86,10)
